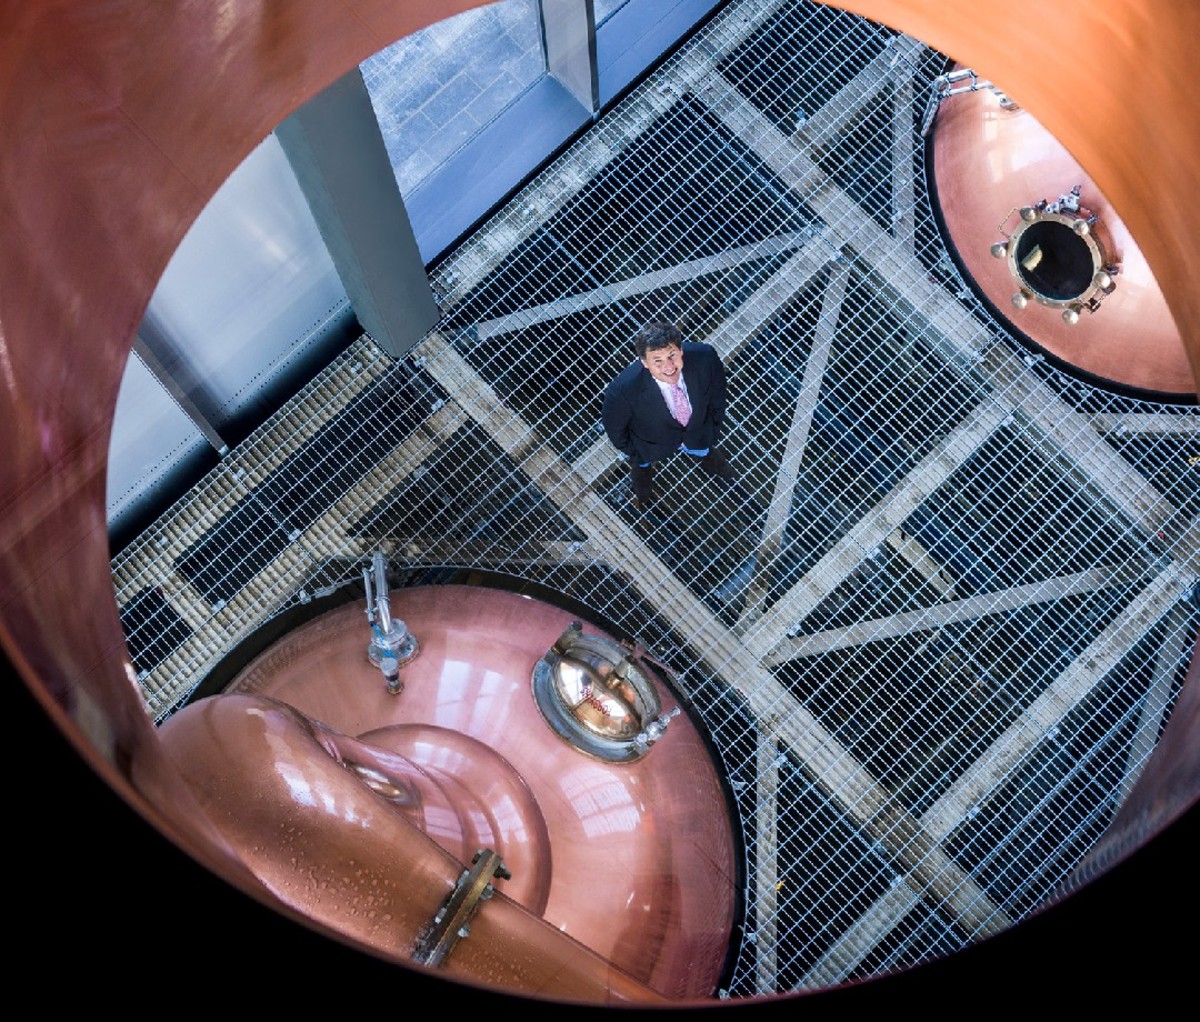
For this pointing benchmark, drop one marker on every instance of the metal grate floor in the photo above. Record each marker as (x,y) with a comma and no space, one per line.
(937,634)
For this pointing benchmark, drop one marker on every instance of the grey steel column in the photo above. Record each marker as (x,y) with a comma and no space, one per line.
(337,152)
(569,46)
(170,381)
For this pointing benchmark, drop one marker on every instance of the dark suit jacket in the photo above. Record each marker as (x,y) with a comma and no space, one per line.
(636,417)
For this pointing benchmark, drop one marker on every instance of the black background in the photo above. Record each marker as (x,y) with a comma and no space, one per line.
(105,911)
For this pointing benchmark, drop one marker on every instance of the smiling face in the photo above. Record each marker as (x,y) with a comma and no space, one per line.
(665,364)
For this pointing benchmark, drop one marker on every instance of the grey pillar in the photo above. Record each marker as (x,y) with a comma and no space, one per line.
(172,384)
(336,150)
(569,45)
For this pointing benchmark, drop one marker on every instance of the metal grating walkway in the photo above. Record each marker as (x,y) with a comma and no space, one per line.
(937,635)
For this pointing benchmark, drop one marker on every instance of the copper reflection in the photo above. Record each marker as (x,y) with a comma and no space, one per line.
(349,857)
(635,860)
(990,160)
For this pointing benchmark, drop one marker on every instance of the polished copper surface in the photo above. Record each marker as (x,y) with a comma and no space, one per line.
(121,120)
(988,162)
(345,854)
(1104,81)
(634,860)
(477,800)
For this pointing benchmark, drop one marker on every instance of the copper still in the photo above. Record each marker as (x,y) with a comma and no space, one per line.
(614,876)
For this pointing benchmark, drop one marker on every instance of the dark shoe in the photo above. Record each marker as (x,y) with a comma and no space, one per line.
(643,488)
(714,463)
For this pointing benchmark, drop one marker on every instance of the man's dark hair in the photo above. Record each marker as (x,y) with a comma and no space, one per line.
(659,334)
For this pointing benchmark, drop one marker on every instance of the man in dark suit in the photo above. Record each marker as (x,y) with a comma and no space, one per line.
(671,399)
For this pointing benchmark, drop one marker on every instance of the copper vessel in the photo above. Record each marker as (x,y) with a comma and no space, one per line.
(992,160)
(622,871)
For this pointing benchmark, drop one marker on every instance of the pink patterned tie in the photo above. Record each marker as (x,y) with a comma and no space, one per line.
(680,404)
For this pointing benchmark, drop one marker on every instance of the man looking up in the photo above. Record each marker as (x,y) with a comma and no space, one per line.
(656,406)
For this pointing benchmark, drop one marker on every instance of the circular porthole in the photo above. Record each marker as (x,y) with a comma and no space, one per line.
(1059,258)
